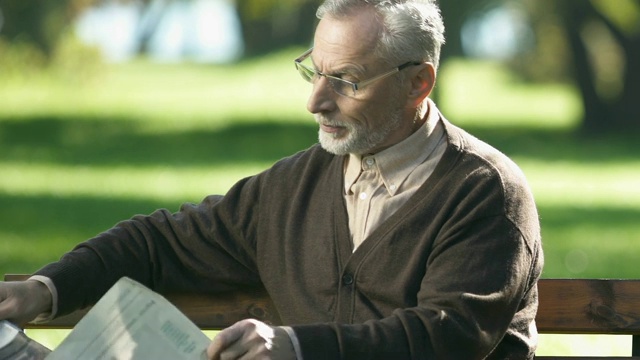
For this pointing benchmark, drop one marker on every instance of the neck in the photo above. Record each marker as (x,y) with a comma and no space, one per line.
(422,113)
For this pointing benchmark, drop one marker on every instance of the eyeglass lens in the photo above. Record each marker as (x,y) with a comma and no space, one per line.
(338,86)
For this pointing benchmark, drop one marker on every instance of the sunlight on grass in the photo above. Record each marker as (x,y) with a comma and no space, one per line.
(584,184)
(585,345)
(158,183)
(174,97)
(51,338)
(473,91)
(553,183)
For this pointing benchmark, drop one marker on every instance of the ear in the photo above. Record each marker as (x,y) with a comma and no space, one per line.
(422,83)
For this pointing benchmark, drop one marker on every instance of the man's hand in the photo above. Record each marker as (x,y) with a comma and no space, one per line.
(251,339)
(23,301)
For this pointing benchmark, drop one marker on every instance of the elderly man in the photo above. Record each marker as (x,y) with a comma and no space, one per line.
(399,236)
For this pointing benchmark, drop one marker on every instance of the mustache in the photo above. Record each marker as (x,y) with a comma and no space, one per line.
(324,120)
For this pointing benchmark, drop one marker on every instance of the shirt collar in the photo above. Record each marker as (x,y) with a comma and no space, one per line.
(398,161)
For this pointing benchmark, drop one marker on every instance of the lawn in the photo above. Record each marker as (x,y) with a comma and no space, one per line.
(78,155)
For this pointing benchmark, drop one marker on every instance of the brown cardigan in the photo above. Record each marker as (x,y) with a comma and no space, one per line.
(451,275)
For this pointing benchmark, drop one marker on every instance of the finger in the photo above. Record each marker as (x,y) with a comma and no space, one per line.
(223,341)
(235,352)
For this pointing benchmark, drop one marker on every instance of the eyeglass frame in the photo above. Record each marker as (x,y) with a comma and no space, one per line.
(354,85)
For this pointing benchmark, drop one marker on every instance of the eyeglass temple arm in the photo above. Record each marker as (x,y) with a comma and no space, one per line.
(356,86)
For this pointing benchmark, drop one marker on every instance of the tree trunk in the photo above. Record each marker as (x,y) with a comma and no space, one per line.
(603,114)
(283,26)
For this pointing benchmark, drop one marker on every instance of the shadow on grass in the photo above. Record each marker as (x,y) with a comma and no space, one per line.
(104,142)
(560,145)
(47,226)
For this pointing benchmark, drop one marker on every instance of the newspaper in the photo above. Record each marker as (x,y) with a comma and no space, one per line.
(15,345)
(132,322)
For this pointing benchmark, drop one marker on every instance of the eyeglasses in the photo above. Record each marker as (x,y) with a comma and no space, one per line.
(339,85)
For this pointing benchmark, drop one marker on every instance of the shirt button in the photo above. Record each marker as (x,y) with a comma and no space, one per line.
(392,187)
(370,161)
(347,279)
(363,195)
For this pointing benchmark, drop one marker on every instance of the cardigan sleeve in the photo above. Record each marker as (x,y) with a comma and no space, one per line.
(205,248)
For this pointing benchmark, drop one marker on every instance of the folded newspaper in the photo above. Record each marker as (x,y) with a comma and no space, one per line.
(129,322)
(15,345)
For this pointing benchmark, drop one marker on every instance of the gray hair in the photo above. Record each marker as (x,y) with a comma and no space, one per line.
(412,30)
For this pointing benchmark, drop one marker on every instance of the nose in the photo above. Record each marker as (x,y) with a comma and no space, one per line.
(322,97)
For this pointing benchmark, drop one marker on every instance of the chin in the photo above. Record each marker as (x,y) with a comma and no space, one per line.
(335,150)
(333,145)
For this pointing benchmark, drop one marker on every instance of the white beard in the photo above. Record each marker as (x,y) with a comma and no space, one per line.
(358,140)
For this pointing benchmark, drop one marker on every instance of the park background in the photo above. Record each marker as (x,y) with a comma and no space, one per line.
(114,108)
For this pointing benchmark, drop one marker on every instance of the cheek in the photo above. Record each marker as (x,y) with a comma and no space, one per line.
(370,114)
(363,110)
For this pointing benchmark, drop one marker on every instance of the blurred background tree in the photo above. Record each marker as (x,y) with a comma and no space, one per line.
(269,24)
(594,44)
(39,23)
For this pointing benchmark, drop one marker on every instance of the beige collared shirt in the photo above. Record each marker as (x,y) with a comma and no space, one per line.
(377,185)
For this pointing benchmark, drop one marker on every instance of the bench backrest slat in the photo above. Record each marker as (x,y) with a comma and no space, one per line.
(567,306)
(589,306)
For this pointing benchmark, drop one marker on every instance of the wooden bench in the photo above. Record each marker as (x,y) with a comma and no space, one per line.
(567,306)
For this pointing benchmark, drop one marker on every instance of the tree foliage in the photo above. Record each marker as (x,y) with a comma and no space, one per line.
(271,24)
(40,23)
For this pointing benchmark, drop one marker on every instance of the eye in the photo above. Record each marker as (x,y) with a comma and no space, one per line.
(347,77)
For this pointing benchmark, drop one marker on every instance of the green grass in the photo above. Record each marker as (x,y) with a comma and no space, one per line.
(78,156)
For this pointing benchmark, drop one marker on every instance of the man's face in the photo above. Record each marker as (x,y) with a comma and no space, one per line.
(378,117)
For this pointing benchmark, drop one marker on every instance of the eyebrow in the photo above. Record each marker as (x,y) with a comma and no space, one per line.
(344,70)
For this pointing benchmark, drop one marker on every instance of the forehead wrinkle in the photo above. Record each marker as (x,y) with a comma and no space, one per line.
(345,44)
(336,55)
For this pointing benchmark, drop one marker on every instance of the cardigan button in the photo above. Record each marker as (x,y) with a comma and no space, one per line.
(347,279)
